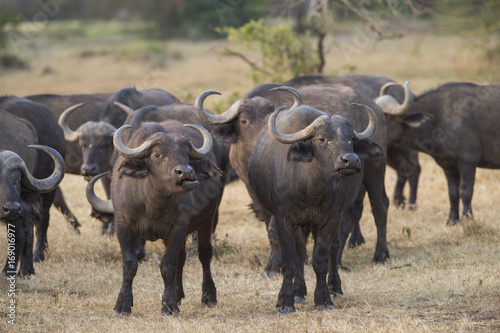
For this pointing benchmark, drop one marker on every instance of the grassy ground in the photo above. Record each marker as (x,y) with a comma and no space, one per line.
(438,279)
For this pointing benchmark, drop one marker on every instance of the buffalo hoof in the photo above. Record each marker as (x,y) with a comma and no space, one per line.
(121,314)
(412,207)
(324,307)
(452,222)
(299,299)
(271,274)
(168,313)
(285,310)
(208,304)
(380,257)
(333,296)
(38,257)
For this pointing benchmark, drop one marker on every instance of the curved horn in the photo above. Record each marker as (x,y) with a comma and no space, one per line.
(389,105)
(297,97)
(209,118)
(140,152)
(303,134)
(385,87)
(69,134)
(200,153)
(102,206)
(47,184)
(372,123)
(125,108)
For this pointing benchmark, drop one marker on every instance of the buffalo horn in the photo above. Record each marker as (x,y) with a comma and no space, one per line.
(303,134)
(69,134)
(125,108)
(41,185)
(297,97)
(102,206)
(200,153)
(372,123)
(209,118)
(389,105)
(140,152)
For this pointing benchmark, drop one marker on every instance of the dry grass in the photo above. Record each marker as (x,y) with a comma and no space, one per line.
(440,279)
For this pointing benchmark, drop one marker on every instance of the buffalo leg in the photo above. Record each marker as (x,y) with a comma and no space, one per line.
(41,230)
(19,243)
(179,289)
(373,180)
(413,181)
(168,269)
(140,246)
(334,284)
(274,261)
(299,282)
(125,300)
(320,260)
(467,177)
(26,268)
(60,204)
(350,218)
(398,197)
(453,179)
(205,251)
(290,261)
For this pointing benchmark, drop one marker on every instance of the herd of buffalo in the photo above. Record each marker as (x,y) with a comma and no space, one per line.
(307,150)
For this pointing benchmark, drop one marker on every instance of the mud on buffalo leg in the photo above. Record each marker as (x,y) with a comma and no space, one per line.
(125,300)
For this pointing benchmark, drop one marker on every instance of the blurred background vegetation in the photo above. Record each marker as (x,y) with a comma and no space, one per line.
(297,29)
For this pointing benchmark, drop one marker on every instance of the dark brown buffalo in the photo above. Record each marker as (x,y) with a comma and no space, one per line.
(20,202)
(306,179)
(455,123)
(165,189)
(401,159)
(49,134)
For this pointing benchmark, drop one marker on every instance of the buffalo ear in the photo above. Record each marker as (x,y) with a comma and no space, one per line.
(367,149)
(301,151)
(224,134)
(133,168)
(206,169)
(416,119)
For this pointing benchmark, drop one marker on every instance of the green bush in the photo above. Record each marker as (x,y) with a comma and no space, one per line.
(282,53)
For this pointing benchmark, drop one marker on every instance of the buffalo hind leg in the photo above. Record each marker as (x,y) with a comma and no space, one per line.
(60,204)
(453,179)
(467,177)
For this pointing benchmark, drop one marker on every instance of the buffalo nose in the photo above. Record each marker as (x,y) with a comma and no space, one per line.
(89,169)
(11,209)
(183,172)
(350,161)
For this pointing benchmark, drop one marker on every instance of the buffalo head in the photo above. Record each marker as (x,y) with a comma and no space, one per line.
(164,153)
(94,138)
(15,177)
(330,140)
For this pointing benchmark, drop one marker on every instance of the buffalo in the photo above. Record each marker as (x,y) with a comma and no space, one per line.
(306,179)
(401,159)
(49,134)
(454,123)
(164,189)
(20,201)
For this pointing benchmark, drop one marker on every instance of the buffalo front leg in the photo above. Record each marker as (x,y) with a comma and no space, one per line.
(169,269)
(125,300)
(205,250)
(299,282)
(322,300)
(274,261)
(41,228)
(290,261)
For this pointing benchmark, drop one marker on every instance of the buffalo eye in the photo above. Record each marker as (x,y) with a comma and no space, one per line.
(243,121)
(322,139)
(157,155)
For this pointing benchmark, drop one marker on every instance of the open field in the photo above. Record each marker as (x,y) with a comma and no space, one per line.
(438,279)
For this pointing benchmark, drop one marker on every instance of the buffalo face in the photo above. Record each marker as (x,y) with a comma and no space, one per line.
(10,193)
(96,142)
(167,156)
